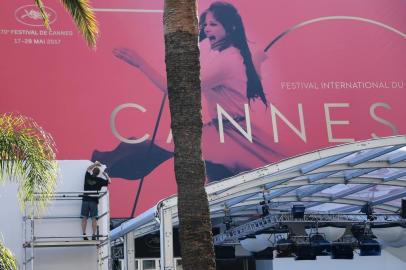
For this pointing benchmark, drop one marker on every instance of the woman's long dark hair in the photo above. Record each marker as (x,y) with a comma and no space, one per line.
(228,16)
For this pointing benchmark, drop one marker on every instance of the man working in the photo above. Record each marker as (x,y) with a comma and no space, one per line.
(93,182)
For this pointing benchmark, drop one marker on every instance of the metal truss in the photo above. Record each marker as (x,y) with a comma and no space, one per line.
(276,220)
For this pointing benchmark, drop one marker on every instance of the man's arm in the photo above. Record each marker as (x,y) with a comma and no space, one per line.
(107,177)
(91,167)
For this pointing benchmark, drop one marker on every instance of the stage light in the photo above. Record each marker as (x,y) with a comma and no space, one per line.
(298,211)
(304,251)
(368,210)
(224,252)
(369,247)
(265,207)
(359,231)
(265,210)
(227,221)
(320,245)
(403,209)
(266,254)
(342,250)
(285,248)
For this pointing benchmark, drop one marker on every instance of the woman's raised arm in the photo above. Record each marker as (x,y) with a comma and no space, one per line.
(134,59)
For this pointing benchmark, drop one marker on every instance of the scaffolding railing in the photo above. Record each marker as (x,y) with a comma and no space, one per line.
(31,220)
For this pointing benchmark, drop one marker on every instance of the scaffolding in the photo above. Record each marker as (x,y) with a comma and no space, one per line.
(32,220)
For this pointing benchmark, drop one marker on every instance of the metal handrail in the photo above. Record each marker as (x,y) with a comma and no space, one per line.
(67,237)
(74,194)
(64,217)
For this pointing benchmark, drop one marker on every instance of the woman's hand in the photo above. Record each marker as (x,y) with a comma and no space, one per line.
(129,56)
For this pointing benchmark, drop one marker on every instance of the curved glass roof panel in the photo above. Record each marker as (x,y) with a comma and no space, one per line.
(339,179)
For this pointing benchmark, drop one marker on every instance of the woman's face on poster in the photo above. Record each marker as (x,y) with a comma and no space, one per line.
(213,29)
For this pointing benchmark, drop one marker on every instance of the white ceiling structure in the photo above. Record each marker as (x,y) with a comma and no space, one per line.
(339,179)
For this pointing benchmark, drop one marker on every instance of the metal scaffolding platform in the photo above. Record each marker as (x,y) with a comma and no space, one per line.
(32,220)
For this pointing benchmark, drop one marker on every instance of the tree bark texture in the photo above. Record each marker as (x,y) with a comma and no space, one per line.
(184,92)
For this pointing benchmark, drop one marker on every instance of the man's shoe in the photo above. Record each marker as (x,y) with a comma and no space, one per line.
(93,237)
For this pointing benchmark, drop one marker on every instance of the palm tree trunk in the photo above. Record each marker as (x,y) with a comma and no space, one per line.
(183,77)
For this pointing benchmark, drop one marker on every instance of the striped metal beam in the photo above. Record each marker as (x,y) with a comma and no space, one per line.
(395,176)
(312,190)
(371,154)
(377,203)
(321,163)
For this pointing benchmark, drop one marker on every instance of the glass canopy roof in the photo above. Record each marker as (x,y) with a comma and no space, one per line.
(338,179)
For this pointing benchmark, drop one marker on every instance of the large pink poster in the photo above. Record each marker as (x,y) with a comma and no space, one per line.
(328,72)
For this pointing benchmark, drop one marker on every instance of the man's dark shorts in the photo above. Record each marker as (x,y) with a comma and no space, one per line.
(89,209)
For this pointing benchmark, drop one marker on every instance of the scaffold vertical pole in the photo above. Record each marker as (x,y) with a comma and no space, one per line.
(166,235)
(25,235)
(129,255)
(32,235)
